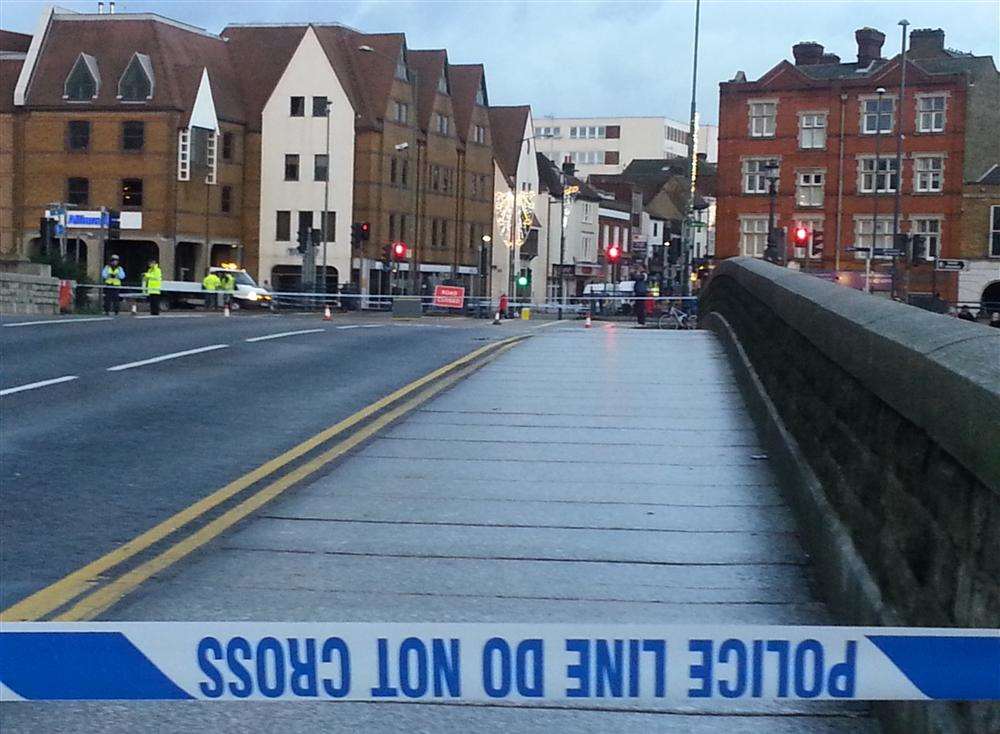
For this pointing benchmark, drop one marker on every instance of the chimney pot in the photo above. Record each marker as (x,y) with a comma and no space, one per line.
(926,42)
(100,8)
(870,42)
(807,52)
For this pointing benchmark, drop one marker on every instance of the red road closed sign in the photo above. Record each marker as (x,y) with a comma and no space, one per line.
(449,296)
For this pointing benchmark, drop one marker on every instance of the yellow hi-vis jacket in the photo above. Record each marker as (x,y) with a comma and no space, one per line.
(211,282)
(152,279)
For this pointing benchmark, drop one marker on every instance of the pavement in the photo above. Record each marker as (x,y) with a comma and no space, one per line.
(124,442)
(603,475)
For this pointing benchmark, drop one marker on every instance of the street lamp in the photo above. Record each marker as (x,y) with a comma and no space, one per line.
(326,195)
(771,172)
(488,269)
(414,82)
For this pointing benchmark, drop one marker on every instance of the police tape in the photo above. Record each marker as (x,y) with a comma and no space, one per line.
(493,662)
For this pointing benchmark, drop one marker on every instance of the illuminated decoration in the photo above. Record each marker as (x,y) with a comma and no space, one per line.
(569,196)
(503,206)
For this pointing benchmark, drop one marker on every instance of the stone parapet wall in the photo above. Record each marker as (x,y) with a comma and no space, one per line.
(28,294)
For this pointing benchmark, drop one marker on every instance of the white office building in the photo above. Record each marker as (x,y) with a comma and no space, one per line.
(606,145)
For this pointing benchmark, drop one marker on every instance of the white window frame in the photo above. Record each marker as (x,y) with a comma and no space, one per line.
(931,234)
(929,116)
(863,234)
(809,181)
(759,177)
(755,226)
(184,154)
(757,113)
(993,245)
(864,114)
(812,125)
(887,167)
(400,112)
(926,178)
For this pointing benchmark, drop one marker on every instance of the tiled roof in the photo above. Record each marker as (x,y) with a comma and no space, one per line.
(507,126)
(429,65)
(9,71)
(178,55)
(259,56)
(465,82)
(11,41)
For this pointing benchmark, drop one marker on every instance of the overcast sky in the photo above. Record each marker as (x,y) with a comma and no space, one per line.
(596,58)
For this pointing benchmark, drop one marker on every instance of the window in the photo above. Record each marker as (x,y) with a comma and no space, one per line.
(930,113)
(613,132)
(434,233)
(442,123)
(446,180)
(136,84)
(319,106)
(132,192)
(479,134)
(481,95)
(611,156)
(292,167)
(591,157)
(226,199)
(321,168)
(443,83)
(812,130)
(753,236)
(995,231)
(297,107)
(392,228)
(400,111)
(444,232)
(930,229)
(763,119)
(888,177)
(404,173)
(78,135)
(756,172)
(227,146)
(305,220)
(133,135)
(401,71)
(393,166)
(863,234)
(328,223)
(283,227)
(83,81)
(928,173)
(809,188)
(78,191)
(573,132)
(875,119)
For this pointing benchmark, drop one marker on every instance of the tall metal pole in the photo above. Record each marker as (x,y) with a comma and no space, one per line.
(414,268)
(878,138)
(899,150)
(562,248)
(686,229)
(326,197)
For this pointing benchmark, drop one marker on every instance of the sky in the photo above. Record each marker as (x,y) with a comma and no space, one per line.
(595,58)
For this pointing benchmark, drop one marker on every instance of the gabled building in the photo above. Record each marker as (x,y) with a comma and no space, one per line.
(151,124)
(829,134)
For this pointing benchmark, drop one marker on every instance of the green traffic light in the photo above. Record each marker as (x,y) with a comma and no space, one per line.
(522,280)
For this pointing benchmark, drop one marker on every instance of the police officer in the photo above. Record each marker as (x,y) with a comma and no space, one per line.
(112,276)
(227,283)
(152,281)
(211,283)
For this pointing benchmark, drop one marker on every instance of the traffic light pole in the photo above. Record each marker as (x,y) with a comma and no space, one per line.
(686,229)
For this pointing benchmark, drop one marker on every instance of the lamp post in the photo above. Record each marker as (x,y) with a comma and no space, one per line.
(416,148)
(488,274)
(326,196)
(880,92)
(899,151)
(771,172)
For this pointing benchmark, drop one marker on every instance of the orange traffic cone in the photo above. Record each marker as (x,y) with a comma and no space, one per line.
(225,310)
(327,316)
(586,324)
(496,319)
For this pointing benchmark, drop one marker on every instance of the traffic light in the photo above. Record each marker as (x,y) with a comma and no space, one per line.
(817,243)
(524,279)
(360,231)
(303,239)
(614,253)
(47,232)
(800,236)
(399,250)
(918,251)
(114,225)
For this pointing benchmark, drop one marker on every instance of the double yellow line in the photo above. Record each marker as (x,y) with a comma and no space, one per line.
(101,596)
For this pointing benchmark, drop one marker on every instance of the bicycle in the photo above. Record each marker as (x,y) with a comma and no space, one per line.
(675,318)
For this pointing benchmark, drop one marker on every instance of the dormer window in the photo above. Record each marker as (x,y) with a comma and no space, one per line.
(83,82)
(136,84)
(481,95)
(443,84)
(401,70)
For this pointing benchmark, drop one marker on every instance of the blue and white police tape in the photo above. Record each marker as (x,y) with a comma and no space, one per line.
(493,662)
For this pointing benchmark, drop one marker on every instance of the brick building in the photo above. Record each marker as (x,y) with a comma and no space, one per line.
(816,121)
(151,125)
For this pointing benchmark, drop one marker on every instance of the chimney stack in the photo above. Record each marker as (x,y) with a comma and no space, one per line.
(830,59)
(807,53)
(926,42)
(870,43)
(111,7)
(100,7)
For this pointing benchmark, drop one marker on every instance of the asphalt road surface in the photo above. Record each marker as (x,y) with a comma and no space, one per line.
(109,426)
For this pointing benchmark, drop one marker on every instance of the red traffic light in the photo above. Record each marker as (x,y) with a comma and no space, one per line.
(801,236)
(614,253)
(399,250)
(365,226)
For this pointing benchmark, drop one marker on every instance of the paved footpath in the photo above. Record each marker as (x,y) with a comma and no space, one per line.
(603,475)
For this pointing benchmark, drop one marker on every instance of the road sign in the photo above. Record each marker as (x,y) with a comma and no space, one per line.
(449,296)
(857,249)
(888,252)
(950,265)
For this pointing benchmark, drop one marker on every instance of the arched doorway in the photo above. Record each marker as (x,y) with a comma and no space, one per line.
(990,299)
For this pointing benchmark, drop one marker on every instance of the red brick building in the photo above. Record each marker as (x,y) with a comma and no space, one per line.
(817,120)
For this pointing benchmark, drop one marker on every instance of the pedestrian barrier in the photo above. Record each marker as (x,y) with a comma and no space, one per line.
(577,664)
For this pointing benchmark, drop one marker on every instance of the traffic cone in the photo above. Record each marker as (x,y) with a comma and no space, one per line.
(496,319)
(586,324)
(327,316)
(135,308)
(225,310)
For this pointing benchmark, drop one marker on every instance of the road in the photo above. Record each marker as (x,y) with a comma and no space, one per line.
(110,426)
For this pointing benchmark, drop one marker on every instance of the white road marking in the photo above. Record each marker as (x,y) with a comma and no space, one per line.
(165,357)
(283,333)
(60,321)
(352,326)
(372,326)
(174,316)
(33,385)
